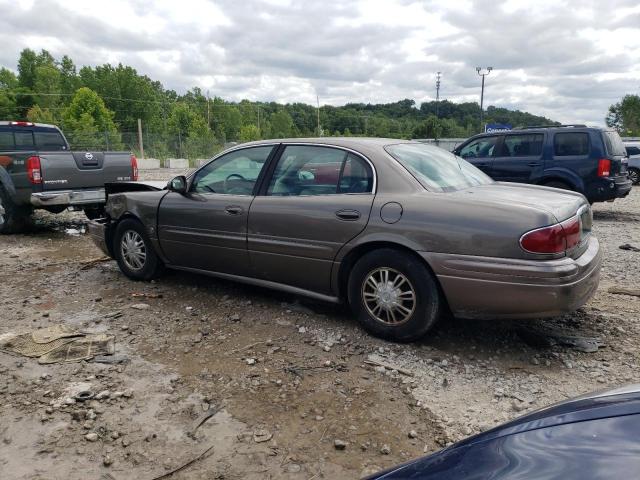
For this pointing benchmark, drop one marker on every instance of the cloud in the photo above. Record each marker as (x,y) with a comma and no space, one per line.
(565,60)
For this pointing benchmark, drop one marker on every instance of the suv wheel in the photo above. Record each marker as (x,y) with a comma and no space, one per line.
(13,218)
(394,296)
(634,175)
(134,253)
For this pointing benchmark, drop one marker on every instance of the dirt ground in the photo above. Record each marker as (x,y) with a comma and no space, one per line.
(254,384)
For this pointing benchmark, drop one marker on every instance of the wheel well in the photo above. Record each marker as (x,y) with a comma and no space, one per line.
(358,252)
(559,180)
(111,231)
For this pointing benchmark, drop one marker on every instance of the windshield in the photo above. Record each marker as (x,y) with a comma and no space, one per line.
(614,143)
(435,168)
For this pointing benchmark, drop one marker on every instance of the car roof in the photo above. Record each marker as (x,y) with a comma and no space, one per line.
(347,142)
(9,123)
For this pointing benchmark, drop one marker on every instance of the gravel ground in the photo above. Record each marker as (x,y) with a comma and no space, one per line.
(281,383)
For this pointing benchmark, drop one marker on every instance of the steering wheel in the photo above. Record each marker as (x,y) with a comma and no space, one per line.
(233,175)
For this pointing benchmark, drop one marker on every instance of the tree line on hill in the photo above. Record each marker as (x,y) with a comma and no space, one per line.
(99,107)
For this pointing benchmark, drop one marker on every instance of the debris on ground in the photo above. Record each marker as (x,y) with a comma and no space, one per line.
(633,292)
(629,247)
(537,336)
(58,344)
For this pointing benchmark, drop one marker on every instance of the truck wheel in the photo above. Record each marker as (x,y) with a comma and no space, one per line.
(634,175)
(134,252)
(394,296)
(13,218)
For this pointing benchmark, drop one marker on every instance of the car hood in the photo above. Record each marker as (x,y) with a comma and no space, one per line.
(560,204)
(593,406)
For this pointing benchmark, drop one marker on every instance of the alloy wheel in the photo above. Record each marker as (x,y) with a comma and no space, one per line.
(133,250)
(389,296)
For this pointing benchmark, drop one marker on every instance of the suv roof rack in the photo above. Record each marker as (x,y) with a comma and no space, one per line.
(570,125)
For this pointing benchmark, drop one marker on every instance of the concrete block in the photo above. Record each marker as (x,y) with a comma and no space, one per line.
(148,163)
(176,163)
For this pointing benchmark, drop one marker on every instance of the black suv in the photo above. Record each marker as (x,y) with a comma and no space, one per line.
(588,160)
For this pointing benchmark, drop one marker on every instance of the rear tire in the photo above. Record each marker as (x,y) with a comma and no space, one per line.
(557,184)
(394,295)
(134,252)
(15,218)
(634,175)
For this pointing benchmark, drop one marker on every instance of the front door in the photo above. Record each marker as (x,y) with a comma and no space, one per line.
(480,152)
(519,158)
(317,199)
(206,228)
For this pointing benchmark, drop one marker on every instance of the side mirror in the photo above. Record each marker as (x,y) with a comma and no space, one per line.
(178,184)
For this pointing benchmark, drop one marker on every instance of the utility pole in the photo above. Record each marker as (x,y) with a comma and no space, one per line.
(483,73)
(208,115)
(140,139)
(438,94)
(318,111)
(258,107)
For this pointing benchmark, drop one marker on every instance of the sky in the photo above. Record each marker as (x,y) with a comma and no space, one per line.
(565,60)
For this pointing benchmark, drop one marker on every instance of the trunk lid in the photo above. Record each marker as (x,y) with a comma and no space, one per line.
(559,203)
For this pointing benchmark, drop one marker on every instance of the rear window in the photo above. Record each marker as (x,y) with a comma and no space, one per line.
(24,140)
(435,168)
(613,143)
(6,141)
(49,140)
(571,144)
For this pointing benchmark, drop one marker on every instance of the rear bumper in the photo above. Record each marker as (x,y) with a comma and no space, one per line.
(69,197)
(611,188)
(98,231)
(485,287)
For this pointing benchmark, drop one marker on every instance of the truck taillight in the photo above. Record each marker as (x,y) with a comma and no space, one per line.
(134,168)
(34,172)
(604,167)
(553,239)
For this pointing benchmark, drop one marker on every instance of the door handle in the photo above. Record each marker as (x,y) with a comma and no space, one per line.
(348,214)
(534,164)
(233,210)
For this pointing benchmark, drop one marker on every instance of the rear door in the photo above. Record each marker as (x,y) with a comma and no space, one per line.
(316,200)
(480,152)
(206,228)
(518,158)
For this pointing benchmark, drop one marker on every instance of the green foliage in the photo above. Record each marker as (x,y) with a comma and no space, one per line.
(40,115)
(90,122)
(281,124)
(624,116)
(249,133)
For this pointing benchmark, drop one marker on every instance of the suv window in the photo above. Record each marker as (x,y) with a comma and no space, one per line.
(235,173)
(613,142)
(311,170)
(571,144)
(49,140)
(24,140)
(480,148)
(6,141)
(529,145)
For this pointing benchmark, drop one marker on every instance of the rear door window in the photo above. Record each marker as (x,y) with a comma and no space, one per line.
(614,144)
(529,145)
(49,141)
(480,148)
(6,141)
(24,140)
(568,144)
(630,150)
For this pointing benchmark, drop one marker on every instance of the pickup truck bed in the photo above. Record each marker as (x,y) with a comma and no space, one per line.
(52,177)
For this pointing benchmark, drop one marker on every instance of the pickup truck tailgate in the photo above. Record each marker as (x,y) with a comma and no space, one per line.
(83,170)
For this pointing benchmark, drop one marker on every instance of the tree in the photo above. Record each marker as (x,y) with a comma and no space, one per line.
(624,116)
(192,136)
(249,133)
(430,128)
(281,124)
(88,123)
(47,86)
(39,115)
(8,83)
(27,64)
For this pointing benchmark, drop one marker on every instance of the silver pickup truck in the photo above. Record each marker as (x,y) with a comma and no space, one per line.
(38,171)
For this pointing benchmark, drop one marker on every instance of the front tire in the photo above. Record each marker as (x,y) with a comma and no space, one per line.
(394,295)
(13,218)
(134,252)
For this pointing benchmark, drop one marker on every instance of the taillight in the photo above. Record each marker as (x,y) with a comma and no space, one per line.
(34,172)
(604,167)
(553,239)
(22,124)
(134,168)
